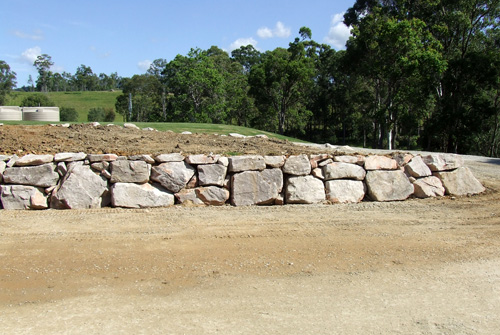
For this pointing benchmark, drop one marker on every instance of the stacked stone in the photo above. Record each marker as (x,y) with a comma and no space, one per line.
(78,180)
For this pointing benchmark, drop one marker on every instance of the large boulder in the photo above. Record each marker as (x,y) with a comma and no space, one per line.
(125,171)
(443,162)
(339,170)
(130,195)
(380,163)
(345,191)
(39,175)
(188,196)
(428,187)
(417,168)
(80,188)
(388,185)
(22,197)
(212,174)
(246,163)
(297,165)
(460,182)
(274,161)
(173,175)
(173,157)
(256,187)
(212,195)
(304,190)
(202,159)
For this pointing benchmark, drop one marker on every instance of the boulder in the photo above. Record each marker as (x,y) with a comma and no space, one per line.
(125,171)
(70,156)
(173,175)
(80,188)
(318,173)
(146,158)
(131,126)
(212,174)
(188,196)
(443,162)
(223,161)
(22,197)
(315,159)
(417,168)
(256,187)
(339,170)
(304,190)
(39,175)
(246,163)
(130,195)
(388,185)
(101,157)
(428,187)
(165,158)
(100,166)
(345,191)
(274,161)
(30,160)
(201,159)
(358,159)
(380,163)
(212,195)
(297,165)
(460,182)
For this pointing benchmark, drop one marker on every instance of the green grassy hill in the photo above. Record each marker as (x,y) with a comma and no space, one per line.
(81,101)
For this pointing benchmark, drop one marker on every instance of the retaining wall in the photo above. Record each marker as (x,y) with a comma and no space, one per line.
(79,180)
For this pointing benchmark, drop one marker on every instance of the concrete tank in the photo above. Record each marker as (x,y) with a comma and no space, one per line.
(41,114)
(11,113)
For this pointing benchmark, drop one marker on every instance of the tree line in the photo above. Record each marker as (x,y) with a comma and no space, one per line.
(415,75)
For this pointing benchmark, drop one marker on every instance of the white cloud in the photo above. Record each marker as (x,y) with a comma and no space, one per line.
(36,36)
(280,30)
(339,33)
(144,64)
(240,42)
(30,55)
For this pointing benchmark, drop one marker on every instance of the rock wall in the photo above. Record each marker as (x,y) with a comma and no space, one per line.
(78,180)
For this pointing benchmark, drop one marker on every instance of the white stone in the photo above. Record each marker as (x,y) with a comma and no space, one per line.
(211,174)
(246,163)
(236,135)
(186,133)
(165,158)
(443,162)
(345,191)
(61,169)
(201,159)
(22,197)
(304,190)
(223,161)
(297,165)
(339,170)
(125,171)
(173,175)
(30,160)
(318,173)
(358,159)
(380,163)
(70,156)
(149,129)
(386,185)
(39,175)
(131,126)
(102,157)
(130,195)
(256,187)
(4,158)
(274,161)
(428,187)
(417,168)
(146,158)
(212,195)
(3,165)
(460,182)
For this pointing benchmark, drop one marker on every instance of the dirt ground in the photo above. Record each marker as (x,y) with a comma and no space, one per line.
(415,267)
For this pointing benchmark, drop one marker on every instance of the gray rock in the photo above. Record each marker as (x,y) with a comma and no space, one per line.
(388,185)
(345,191)
(80,188)
(304,190)
(12,160)
(146,158)
(188,196)
(246,163)
(212,195)
(443,162)
(201,159)
(30,160)
(102,157)
(165,158)
(297,165)
(460,182)
(358,159)
(428,187)
(61,169)
(274,161)
(4,158)
(380,163)
(212,174)
(22,197)
(130,195)
(70,156)
(173,175)
(417,168)
(223,161)
(339,170)
(256,187)
(100,166)
(3,165)
(39,175)
(125,171)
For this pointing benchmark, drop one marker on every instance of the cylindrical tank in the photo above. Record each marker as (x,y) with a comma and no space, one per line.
(10,113)
(41,114)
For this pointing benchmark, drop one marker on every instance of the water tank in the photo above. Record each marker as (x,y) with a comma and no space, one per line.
(41,114)
(10,113)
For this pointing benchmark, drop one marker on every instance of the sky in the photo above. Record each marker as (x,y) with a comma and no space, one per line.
(126,36)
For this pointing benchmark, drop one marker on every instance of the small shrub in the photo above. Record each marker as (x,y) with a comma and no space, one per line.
(68,114)
(37,100)
(96,114)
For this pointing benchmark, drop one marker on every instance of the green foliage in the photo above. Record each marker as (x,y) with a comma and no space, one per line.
(100,114)
(68,114)
(7,81)
(37,100)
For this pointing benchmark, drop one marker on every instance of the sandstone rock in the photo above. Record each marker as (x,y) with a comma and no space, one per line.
(39,175)
(358,159)
(30,160)
(402,159)
(315,159)
(460,182)
(212,195)
(325,162)
(100,166)
(380,163)
(173,175)
(3,165)
(339,170)
(70,156)
(345,191)
(131,126)
(223,161)
(165,158)
(80,188)
(201,159)
(256,187)
(297,165)
(417,168)
(443,162)
(22,197)
(130,195)
(193,182)
(61,169)
(274,161)
(318,173)
(246,163)
(188,196)
(125,171)
(146,158)
(102,157)
(304,190)
(212,174)
(428,187)
(388,185)
(12,160)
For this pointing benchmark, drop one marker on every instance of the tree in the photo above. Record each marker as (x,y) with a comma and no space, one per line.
(68,114)
(43,64)
(85,79)
(37,100)
(7,81)
(144,90)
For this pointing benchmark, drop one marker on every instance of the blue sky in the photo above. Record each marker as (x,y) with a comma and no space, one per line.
(125,36)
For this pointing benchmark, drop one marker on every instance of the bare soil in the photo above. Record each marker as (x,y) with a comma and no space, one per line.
(414,267)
